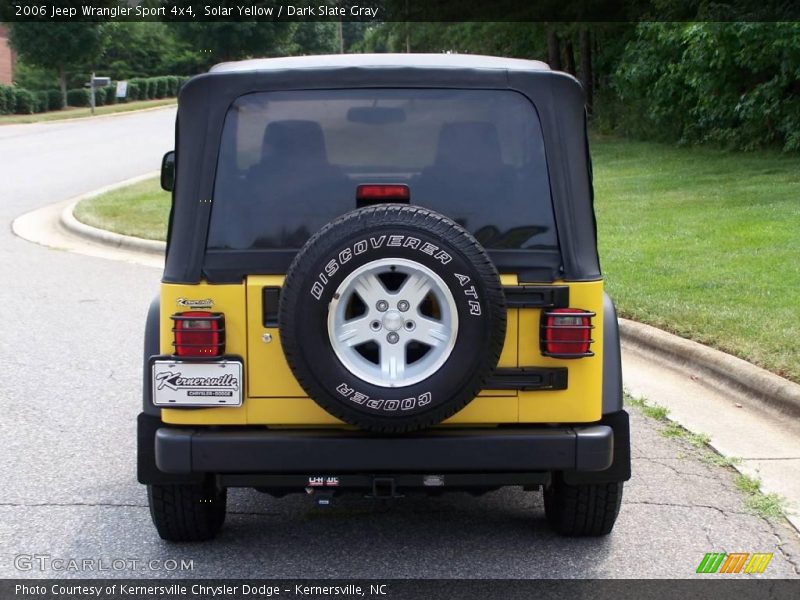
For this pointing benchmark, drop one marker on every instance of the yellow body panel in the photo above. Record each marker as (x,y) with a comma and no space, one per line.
(228,299)
(273,396)
(268,372)
(582,401)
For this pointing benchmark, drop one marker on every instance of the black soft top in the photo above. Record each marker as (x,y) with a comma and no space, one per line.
(204,101)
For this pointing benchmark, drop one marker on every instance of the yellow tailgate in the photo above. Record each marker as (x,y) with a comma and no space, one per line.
(273,396)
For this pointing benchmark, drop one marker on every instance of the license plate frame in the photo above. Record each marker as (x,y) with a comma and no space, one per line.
(198,384)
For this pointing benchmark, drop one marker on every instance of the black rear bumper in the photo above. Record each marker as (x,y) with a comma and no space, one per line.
(174,454)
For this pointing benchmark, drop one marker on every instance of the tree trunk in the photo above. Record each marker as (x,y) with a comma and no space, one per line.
(586,67)
(595,53)
(62,79)
(553,49)
(569,56)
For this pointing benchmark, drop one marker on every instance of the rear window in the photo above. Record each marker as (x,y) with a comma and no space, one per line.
(290,162)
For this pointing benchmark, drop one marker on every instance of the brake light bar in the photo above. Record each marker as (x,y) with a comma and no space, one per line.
(566,333)
(199,334)
(395,192)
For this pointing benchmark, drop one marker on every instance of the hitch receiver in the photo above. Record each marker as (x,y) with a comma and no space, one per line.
(384,487)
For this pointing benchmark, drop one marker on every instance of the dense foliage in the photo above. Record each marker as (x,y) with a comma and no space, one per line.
(58,46)
(736,84)
(730,84)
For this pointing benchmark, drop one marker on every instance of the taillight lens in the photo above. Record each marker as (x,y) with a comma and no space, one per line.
(395,192)
(199,334)
(566,333)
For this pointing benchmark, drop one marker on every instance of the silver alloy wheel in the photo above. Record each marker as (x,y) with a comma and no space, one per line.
(393,337)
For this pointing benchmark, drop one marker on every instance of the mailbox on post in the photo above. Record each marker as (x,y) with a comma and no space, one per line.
(95,83)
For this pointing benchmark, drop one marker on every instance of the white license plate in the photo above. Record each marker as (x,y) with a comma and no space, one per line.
(177,383)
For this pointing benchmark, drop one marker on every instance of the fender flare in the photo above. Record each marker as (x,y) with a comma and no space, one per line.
(152,346)
(612,359)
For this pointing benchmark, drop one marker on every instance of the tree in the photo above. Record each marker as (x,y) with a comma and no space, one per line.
(226,41)
(142,50)
(734,84)
(59,45)
(553,49)
(587,76)
(314,37)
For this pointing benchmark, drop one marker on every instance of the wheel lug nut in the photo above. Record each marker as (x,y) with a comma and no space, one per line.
(375,325)
(392,337)
(410,325)
(382,305)
(403,305)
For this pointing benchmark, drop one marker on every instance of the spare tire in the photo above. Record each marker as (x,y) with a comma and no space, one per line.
(392,318)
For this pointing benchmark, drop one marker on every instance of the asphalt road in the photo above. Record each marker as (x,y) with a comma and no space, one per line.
(71,346)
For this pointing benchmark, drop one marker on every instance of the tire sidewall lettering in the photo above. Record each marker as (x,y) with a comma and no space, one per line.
(344,255)
(460,278)
(393,405)
(402,233)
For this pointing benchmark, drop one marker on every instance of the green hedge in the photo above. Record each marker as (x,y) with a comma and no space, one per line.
(111,94)
(78,97)
(100,96)
(145,88)
(40,101)
(182,82)
(6,99)
(21,101)
(135,90)
(55,101)
(152,88)
(162,87)
(172,85)
(24,102)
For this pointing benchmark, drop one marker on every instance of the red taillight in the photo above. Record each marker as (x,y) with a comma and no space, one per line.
(566,333)
(382,193)
(199,334)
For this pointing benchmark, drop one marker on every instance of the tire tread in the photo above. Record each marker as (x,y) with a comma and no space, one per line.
(186,512)
(584,510)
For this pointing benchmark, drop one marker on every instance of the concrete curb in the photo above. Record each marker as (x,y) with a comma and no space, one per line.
(109,238)
(745,380)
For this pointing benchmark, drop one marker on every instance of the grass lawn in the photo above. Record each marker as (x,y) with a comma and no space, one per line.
(141,210)
(705,244)
(699,242)
(76,113)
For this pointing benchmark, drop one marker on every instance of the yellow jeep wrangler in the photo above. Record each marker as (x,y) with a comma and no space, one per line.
(381,276)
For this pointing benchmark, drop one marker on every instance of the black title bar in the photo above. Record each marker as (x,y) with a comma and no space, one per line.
(398,10)
(712,588)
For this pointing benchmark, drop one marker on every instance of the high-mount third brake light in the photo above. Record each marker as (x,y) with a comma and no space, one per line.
(394,192)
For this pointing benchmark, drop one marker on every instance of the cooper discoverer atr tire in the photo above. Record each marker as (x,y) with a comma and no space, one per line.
(392,318)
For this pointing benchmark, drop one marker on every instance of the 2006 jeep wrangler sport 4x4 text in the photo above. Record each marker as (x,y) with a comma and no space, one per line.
(381,276)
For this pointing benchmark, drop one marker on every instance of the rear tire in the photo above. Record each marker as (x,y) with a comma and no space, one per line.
(586,510)
(187,512)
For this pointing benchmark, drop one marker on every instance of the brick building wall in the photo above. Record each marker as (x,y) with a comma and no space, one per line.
(6,58)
